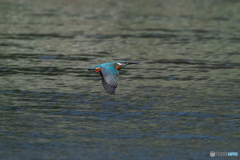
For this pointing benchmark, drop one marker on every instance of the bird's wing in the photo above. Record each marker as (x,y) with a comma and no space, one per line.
(109,76)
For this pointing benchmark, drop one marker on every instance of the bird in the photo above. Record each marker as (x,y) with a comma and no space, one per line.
(109,73)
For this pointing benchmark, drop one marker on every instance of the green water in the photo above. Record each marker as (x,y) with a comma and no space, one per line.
(181,102)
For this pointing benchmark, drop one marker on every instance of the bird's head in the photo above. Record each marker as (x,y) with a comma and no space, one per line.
(122,64)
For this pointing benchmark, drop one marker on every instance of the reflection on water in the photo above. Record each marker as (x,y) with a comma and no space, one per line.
(182,100)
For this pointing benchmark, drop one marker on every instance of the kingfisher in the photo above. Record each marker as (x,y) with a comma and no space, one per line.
(109,73)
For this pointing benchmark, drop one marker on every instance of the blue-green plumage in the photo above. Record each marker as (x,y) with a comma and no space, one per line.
(111,67)
(94,67)
(109,73)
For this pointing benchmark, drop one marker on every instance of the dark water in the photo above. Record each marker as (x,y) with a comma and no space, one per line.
(181,102)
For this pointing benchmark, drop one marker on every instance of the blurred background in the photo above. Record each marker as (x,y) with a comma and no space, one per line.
(181,102)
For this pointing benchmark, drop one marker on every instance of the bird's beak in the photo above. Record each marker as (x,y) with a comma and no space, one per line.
(132,63)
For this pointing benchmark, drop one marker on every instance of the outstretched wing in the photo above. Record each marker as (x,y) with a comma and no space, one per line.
(109,75)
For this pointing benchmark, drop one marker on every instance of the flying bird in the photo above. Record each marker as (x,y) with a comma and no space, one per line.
(109,73)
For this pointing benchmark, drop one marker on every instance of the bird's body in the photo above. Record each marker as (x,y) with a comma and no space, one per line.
(109,73)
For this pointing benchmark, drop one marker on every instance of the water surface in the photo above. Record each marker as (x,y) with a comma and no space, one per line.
(181,102)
